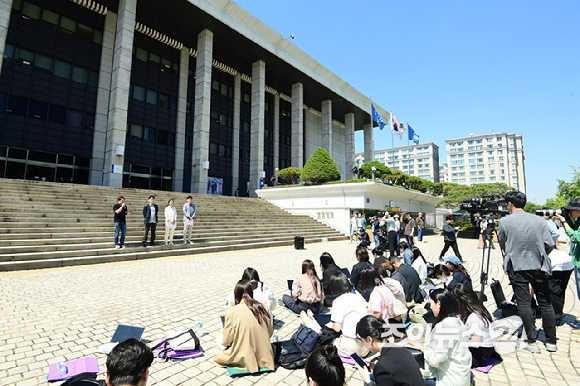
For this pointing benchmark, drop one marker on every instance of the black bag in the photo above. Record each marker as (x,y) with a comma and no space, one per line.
(507,308)
(305,337)
(289,355)
(418,355)
(85,379)
(298,242)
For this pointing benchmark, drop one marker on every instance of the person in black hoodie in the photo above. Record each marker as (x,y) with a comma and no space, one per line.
(329,268)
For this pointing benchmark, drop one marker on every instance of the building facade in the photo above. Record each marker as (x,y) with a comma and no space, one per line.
(443,173)
(488,158)
(176,95)
(420,160)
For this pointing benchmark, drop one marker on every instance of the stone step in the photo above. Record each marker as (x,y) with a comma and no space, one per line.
(144,253)
(64,251)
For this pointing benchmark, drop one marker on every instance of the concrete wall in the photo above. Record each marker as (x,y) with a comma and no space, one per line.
(313,130)
(339,150)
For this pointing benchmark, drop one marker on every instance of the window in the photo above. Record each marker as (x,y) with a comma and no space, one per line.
(80,74)
(213,148)
(50,17)
(215,85)
(162,137)
(136,131)
(150,134)
(246,98)
(43,62)
(31,11)
(470,142)
(491,166)
(141,54)
(139,93)
(478,141)
(38,110)
(492,178)
(84,32)
(24,57)
(57,114)
(98,37)
(490,159)
(93,78)
(151,97)
(173,104)
(17,106)
(165,64)
(154,59)
(67,24)
(75,118)
(224,89)
(471,148)
(164,100)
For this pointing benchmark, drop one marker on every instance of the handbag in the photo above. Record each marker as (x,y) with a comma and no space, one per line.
(305,337)
(289,355)
(181,346)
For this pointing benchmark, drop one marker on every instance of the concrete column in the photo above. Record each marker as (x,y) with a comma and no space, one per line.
(5,10)
(349,145)
(276,132)
(119,99)
(236,135)
(257,124)
(177,182)
(369,143)
(201,118)
(297,125)
(97,165)
(327,126)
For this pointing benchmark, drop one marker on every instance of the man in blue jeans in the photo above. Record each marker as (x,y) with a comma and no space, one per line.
(120,210)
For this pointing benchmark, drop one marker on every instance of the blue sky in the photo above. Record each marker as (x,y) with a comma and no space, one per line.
(451,68)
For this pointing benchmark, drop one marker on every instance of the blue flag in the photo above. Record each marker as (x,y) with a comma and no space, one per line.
(377,118)
(412,135)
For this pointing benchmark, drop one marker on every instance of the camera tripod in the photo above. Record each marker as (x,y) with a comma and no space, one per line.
(487,242)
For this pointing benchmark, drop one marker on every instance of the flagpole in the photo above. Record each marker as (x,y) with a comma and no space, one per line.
(392,135)
(408,133)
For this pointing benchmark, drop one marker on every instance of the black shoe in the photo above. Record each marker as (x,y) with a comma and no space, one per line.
(144,245)
(441,258)
(152,244)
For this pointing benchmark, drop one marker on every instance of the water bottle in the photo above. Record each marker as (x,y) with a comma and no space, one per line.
(62,370)
(200,324)
(275,336)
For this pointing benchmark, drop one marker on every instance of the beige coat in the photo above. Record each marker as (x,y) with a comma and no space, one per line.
(247,341)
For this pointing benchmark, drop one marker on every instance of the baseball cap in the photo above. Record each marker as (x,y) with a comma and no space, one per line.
(453,260)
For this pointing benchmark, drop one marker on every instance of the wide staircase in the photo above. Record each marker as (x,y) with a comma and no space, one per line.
(45,225)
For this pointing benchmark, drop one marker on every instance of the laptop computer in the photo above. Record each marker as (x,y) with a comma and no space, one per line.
(125,332)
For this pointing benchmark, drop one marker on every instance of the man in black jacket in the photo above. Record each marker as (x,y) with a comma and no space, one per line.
(150,215)
(450,239)
(412,278)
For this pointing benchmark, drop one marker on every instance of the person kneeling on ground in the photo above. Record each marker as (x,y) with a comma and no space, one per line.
(348,308)
(478,322)
(247,332)
(396,365)
(323,367)
(307,292)
(128,364)
(447,354)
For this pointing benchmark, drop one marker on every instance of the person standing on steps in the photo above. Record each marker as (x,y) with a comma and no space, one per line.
(189,212)
(150,216)
(121,212)
(170,222)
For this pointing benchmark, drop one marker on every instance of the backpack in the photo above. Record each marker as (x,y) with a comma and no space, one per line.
(289,355)
(85,379)
(305,337)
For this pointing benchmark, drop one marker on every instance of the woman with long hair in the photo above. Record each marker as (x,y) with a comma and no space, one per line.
(449,277)
(479,323)
(247,333)
(362,255)
(324,367)
(446,351)
(396,365)
(262,292)
(381,299)
(419,263)
(329,268)
(348,308)
(307,292)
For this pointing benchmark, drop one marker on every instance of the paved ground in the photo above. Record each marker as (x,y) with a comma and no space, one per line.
(63,314)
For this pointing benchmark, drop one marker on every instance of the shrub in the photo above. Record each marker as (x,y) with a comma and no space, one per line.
(320,168)
(381,172)
(290,175)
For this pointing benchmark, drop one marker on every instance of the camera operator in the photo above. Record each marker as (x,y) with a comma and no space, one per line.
(525,237)
(570,218)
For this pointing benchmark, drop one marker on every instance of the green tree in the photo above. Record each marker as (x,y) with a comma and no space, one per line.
(455,193)
(382,170)
(566,190)
(290,175)
(320,168)
(414,182)
(531,207)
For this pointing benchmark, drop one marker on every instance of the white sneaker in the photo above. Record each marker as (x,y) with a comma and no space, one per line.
(185,242)
(117,246)
(166,244)
(171,244)
(123,247)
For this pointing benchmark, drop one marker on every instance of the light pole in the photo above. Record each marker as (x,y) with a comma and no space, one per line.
(374,169)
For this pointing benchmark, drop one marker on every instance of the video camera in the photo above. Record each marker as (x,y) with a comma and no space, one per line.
(548,212)
(486,204)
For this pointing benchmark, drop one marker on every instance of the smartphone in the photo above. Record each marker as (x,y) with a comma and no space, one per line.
(223,318)
(360,361)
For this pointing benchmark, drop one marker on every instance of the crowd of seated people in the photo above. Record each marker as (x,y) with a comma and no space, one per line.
(363,310)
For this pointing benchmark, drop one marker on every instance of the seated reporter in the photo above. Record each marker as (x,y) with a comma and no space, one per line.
(324,367)
(307,292)
(396,365)
(348,308)
(449,278)
(329,268)
(128,364)
(247,333)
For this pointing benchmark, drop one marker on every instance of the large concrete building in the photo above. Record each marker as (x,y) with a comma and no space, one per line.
(420,160)
(487,158)
(172,95)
